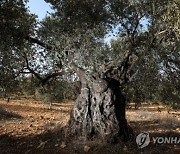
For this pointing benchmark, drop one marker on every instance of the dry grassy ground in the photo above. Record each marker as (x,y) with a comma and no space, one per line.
(28,126)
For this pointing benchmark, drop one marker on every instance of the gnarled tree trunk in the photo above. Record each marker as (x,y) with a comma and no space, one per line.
(99,110)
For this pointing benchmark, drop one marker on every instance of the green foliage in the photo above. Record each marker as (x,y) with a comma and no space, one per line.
(80,27)
(81,15)
(56,91)
(157,68)
(15,24)
(28,85)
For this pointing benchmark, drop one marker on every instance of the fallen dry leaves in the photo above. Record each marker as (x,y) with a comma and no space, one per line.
(63,145)
(86,148)
(41,145)
(36,119)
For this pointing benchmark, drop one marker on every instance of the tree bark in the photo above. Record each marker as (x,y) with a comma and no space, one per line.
(99,110)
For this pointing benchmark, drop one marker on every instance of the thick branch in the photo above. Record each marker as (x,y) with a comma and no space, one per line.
(35,40)
(122,72)
(19,72)
(80,71)
(31,70)
(42,81)
(49,76)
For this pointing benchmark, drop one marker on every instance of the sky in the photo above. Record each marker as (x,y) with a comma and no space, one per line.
(39,7)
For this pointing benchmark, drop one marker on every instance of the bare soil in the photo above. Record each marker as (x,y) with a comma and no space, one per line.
(31,127)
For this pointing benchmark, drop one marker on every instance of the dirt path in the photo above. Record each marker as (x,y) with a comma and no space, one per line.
(28,126)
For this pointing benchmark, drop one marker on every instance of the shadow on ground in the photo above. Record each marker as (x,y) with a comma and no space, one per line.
(50,142)
(7,115)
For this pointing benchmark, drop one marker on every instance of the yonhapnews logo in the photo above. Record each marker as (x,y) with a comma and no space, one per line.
(143,140)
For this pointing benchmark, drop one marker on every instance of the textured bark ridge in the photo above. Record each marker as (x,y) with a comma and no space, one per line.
(99,110)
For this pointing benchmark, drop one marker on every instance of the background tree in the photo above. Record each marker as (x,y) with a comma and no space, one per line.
(157,65)
(15,24)
(169,35)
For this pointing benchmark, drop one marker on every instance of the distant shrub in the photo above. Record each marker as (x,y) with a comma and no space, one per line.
(56,92)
